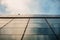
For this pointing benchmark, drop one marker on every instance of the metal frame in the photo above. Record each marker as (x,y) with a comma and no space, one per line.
(43,17)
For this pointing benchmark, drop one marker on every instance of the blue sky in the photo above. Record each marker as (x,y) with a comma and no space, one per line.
(2,8)
(48,7)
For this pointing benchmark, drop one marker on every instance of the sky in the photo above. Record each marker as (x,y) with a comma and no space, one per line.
(46,7)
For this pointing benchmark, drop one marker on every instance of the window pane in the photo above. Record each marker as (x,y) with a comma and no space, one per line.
(13,30)
(55,24)
(38,30)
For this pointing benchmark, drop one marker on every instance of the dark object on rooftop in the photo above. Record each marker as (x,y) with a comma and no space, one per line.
(18,14)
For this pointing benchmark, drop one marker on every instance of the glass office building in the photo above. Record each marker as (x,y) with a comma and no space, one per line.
(43,26)
(30,28)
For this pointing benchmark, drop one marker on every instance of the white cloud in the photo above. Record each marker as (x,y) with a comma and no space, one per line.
(17,6)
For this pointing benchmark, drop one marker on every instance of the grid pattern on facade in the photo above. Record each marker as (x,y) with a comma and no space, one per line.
(30,29)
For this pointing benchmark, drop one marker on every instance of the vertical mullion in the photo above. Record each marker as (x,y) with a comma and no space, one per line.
(51,29)
(6,23)
(25,29)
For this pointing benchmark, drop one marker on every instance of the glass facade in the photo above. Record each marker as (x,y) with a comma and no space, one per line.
(37,29)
